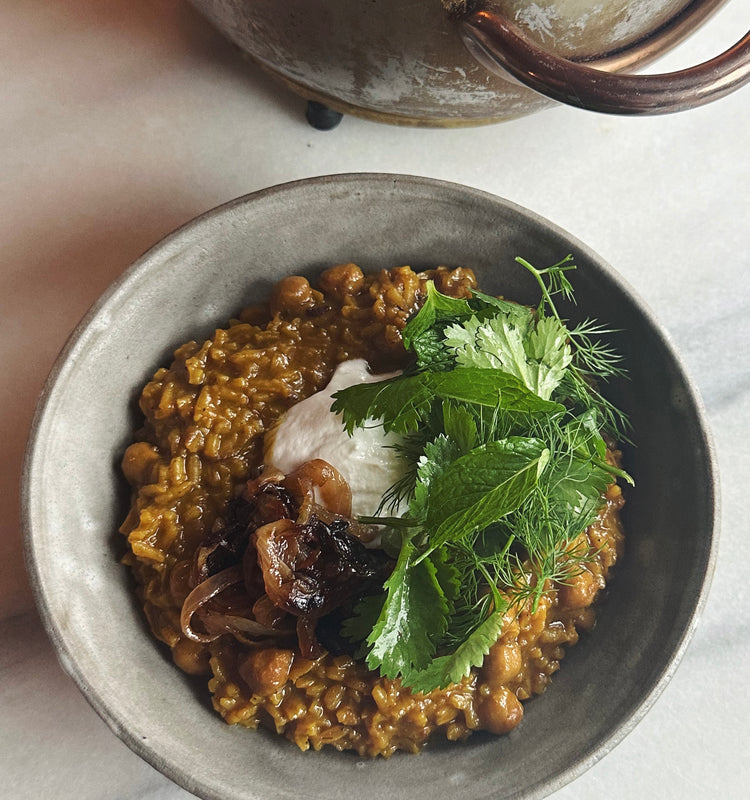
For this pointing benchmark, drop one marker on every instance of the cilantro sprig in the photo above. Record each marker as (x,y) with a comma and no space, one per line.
(503,428)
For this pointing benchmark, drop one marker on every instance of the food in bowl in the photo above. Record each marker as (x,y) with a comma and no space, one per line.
(496,537)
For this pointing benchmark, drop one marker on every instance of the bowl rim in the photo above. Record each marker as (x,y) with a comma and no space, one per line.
(155,253)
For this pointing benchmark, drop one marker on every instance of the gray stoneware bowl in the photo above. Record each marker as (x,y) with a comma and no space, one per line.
(194,280)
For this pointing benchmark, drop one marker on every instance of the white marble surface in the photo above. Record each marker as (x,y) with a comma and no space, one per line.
(121,120)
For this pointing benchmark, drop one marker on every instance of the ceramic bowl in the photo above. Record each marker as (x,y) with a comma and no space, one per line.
(195,280)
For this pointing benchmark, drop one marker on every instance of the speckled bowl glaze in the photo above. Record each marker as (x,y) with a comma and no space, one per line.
(193,281)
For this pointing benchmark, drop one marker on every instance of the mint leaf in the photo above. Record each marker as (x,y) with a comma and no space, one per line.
(431,352)
(488,387)
(460,426)
(439,454)
(402,403)
(448,576)
(487,305)
(480,488)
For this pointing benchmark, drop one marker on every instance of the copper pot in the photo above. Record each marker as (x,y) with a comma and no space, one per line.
(477,61)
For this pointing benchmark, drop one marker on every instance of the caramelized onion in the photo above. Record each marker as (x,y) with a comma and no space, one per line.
(365,533)
(267,613)
(314,568)
(317,481)
(290,543)
(306,638)
(269,475)
(199,596)
(225,544)
(217,623)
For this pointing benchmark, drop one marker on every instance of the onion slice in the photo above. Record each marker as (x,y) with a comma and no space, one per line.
(230,623)
(320,482)
(201,594)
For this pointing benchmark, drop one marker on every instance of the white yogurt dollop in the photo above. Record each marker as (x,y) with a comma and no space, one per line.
(366,459)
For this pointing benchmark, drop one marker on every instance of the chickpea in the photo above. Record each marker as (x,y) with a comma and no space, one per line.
(502,664)
(292,295)
(342,281)
(500,710)
(266,670)
(191,657)
(138,462)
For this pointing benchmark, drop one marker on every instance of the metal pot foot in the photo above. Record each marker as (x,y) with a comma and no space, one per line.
(321,117)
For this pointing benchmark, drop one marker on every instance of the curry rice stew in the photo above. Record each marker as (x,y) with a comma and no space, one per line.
(202,441)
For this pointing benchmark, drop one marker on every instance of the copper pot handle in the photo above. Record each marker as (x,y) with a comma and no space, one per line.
(501,46)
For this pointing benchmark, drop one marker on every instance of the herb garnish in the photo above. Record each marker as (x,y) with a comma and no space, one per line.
(504,431)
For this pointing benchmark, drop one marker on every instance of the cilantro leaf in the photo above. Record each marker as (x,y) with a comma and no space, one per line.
(537,354)
(412,620)
(451,668)
(400,403)
(548,355)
